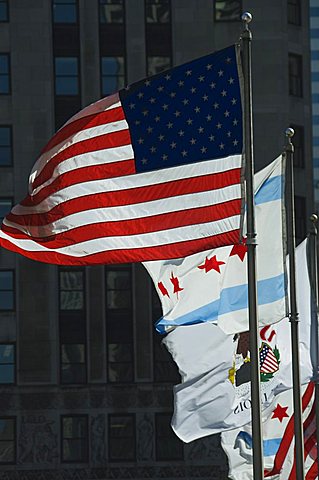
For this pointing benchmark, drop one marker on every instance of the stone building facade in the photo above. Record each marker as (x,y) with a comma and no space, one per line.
(85,386)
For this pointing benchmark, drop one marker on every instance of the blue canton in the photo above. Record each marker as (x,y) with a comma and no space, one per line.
(186,114)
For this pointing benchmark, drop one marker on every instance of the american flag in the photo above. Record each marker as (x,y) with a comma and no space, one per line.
(268,361)
(151,172)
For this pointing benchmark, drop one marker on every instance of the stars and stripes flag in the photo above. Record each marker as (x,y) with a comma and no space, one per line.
(268,361)
(151,172)
(278,440)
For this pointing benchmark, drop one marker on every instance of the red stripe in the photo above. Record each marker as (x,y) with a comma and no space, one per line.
(81,175)
(137,226)
(100,142)
(288,435)
(312,473)
(127,197)
(93,120)
(162,252)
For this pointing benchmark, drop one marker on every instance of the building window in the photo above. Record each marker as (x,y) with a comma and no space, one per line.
(65,11)
(5,146)
(157,11)
(121,438)
(7,296)
(295,75)
(5,207)
(157,64)
(7,440)
(300,218)
(4,11)
(72,326)
(74,438)
(294,12)
(66,76)
(119,323)
(168,445)
(165,369)
(111,11)
(113,74)
(227,10)
(4,73)
(298,142)
(7,363)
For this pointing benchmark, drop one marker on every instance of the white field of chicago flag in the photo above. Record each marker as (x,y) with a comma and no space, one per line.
(211,286)
(151,172)
(278,440)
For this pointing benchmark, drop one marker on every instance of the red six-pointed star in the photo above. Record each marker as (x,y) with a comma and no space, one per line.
(280,412)
(211,264)
(239,250)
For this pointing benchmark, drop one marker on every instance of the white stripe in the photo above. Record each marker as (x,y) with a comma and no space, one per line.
(89,133)
(127,212)
(132,182)
(99,157)
(153,239)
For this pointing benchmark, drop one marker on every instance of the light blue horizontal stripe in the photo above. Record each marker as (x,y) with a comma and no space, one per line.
(231,299)
(270,191)
(270,447)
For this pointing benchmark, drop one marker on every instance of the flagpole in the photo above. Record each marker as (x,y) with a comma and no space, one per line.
(293,315)
(251,254)
(313,264)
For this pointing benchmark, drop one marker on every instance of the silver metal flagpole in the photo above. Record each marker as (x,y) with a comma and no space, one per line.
(313,270)
(293,315)
(251,255)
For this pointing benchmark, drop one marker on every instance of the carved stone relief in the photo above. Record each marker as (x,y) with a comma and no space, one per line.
(37,440)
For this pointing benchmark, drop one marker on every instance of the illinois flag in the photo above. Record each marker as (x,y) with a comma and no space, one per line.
(151,172)
(211,286)
(278,440)
(214,395)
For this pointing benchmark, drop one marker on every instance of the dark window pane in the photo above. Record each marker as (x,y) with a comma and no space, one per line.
(157,11)
(294,12)
(6,374)
(4,73)
(157,64)
(4,14)
(6,353)
(74,439)
(71,290)
(6,290)
(295,75)
(4,63)
(6,280)
(168,445)
(73,373)
(7,440)
(121,437)
(5,207)
(64,11)
(66,86)
(7,363)
(113,78)
(66,76)
(227,10)
(111,11)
